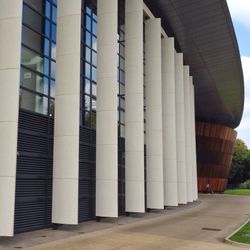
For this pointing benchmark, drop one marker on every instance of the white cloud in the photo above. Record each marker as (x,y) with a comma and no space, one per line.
(244,128)
(240,11)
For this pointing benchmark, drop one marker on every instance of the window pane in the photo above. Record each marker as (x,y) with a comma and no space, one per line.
(35,4)
(87,38)
(29,16)
(54,14)
(94,27)
(52,88)
(34,82)
(53,34)
(86,118)
(93,119)
(122,117)
(122,89)
(93,74)
(47,28)
(87,87)
(93,107)
(87,70)
(32,60)
(47,9)
(86,102)
(51,107)
(87,54)
(94,58)
(53,51)
(33,102)
(93,89)
(87,22)
(94,45)
(122,131)
(53,69)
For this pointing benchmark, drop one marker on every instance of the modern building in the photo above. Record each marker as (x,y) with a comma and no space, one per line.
(98,103)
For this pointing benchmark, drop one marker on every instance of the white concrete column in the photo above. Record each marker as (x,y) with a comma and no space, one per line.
(153,83)
(106,126)
(188,148)
(180,130)
(134,115)
(193,142)
(67,106)
(169,123)
(10,52)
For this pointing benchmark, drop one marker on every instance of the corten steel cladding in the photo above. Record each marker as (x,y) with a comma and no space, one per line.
(215,144)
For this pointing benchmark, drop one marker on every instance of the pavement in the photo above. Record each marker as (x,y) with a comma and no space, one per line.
(200,225)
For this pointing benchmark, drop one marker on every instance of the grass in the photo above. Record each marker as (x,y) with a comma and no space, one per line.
(243,235)
(238,191)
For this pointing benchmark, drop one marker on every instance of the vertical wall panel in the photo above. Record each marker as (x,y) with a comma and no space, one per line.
(67,97)
(169,123)
(134,115)
(193,137)
(187,109)
(180,130)
(153,83)
(106,126)
(10,51)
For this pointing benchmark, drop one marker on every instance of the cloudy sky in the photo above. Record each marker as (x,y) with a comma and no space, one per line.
(240,12)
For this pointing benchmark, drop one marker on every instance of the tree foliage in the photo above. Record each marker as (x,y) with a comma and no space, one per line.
(240,169)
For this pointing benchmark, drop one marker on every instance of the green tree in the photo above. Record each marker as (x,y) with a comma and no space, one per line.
(240,169)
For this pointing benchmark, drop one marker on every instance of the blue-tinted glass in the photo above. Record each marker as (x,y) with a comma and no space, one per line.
(88,10)
(87,86)
(52,88)
(87,54)
(53,69)
(88,22)
(94,27)
(46,47)
(93,89)
(47,9)
(54,14)
(94,16)
(55,2)
(53,51)
(87,70)
(122,77)
(94,61)
(88,38)
(94,45)
(93,74)
(47,28)
(53,35)
(46,66)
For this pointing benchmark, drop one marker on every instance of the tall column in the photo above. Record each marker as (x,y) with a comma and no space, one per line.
(153,83)
(180,130)
(187,109)
(10,51)
(169,123)
(134,115)
(67,106)
(193,135)
(106,126)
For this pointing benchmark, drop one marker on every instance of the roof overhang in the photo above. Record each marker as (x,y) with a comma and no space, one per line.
(204,33)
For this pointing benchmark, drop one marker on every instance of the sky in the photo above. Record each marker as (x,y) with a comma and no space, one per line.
(240,13)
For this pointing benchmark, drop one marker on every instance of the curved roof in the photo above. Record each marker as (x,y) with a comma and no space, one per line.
(204,33)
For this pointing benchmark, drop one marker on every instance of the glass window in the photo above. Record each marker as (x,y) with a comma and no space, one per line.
(54,14)
(53,69)
(93,77)
(93,119)
(122,131)
(87,86)
(87,70)
(47,9)
(29,16)
(86,118)
(87,38)
(33,102)
(88,22)
(52,88)
(47,28)
(51,107)
(93,89)
(94,44)
(94,58)
(32,60)
(122,117)
(94,28)
(87,54)
(34,82)
(53,51)
(88,10)
(35,4)
(86,102)
(53,34)
(122,89)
